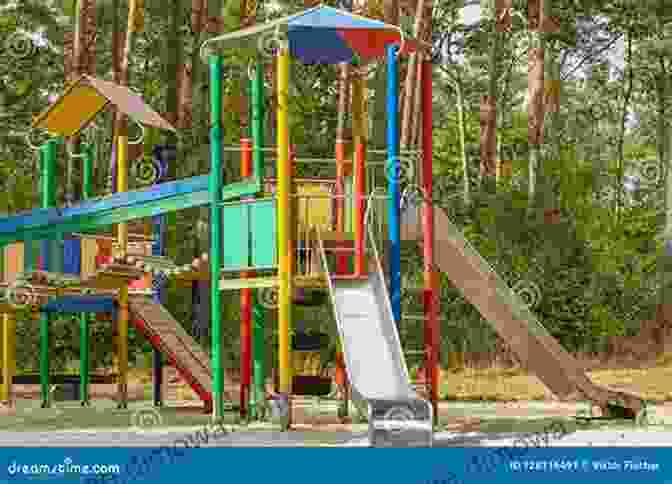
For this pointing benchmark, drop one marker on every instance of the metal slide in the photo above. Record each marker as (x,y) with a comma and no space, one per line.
(513,320)
(167,335)
(374,359)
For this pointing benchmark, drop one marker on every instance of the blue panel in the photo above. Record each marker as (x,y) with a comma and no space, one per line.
(324,47)
(81,304)
(45,253)
(263,228)
(55,216)
(72,260)
(236,250)
(329,17)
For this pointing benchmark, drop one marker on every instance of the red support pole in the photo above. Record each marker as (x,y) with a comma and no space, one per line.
(432,342)
(245,302)
(360,194)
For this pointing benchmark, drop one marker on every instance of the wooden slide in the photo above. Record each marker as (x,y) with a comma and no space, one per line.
(513,320)
(168,336)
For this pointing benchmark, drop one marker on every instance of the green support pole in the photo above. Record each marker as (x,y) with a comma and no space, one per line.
(258,394)
(216,137)
(258,123)
(87,174)
(84,358)
(44,359)
(52,249)
(258,364)
(48,189)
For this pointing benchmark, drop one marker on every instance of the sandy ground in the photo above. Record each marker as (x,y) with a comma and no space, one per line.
(461,424)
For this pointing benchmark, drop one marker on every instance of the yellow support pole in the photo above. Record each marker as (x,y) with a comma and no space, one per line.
(122,241)
(8,356)
(284,224)
(122,186)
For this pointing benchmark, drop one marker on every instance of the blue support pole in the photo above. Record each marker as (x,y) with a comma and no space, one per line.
(158,248)
(162,156)
(393,174)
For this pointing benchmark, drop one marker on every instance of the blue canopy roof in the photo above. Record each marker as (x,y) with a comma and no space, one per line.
(323,35)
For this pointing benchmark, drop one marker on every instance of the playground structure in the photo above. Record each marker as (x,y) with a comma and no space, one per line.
(288,235)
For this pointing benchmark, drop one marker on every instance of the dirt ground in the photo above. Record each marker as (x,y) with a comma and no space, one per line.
(651,383)
(485,385)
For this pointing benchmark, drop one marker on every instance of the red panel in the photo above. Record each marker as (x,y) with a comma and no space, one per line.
(370,46)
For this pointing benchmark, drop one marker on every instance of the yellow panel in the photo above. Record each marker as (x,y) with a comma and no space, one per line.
(89,252)
(72,112)
(314,206)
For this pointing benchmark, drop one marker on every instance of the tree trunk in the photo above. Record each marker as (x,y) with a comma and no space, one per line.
(664,144)
(390,16)
(173,61)
(76,69)
(489,109)
(416,121)
(412,82)
(622,128)
(546,184)
(116,72)
(199,15)
(535,113)
(466,181)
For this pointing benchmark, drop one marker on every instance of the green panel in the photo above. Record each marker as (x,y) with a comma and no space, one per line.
(32,250)
(236,249)
(264,233)
(248,186)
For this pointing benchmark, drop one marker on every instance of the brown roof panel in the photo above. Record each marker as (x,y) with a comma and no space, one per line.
(129,103)
(85,98)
